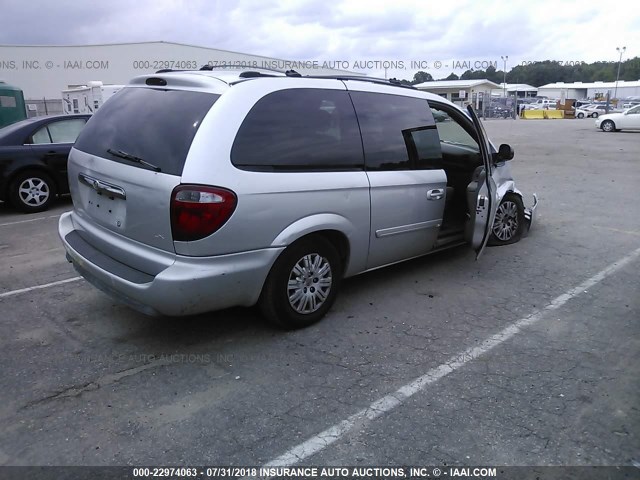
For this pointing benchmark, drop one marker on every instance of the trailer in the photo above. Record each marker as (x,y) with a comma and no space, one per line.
(12,107)
(87,98)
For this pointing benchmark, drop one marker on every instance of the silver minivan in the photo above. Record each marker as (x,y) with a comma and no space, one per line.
(200,190)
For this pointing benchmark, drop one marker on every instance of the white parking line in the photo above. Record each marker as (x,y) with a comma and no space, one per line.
(30,220)
(322,440)
(629,232)
(38,287)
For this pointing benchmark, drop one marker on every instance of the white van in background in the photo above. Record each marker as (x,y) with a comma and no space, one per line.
(87,98)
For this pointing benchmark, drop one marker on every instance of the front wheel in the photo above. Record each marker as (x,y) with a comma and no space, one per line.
(608,126)
(581,115)
(302,284)
(32,191)
(509,222)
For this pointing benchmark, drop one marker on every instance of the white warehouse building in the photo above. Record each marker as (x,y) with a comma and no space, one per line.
(592,90)
(515,89)
(461,91)
(43,71)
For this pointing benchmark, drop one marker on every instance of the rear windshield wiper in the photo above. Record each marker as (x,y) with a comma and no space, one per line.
(133,158)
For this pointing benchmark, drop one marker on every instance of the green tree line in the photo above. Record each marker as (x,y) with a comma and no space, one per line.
(549,71)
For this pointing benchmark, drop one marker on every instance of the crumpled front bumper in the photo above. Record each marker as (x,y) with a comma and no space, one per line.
(529,214)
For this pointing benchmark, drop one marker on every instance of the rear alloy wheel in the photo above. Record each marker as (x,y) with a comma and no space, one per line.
(509,222)
(32,191)
(594,114)
(302,284)
(608,126)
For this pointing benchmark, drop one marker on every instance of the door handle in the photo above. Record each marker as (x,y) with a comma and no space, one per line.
(435,194)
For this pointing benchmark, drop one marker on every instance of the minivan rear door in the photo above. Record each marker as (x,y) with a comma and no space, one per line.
(486,203)
(129,158)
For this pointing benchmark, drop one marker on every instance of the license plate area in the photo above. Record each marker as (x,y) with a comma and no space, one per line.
(106,209)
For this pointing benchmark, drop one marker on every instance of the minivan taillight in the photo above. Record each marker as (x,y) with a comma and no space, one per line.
(197,211)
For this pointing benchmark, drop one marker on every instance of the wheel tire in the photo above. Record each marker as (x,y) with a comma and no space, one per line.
(608,126)
(275,302)
(581,115)
(594,115)
(508,225)
(32,191)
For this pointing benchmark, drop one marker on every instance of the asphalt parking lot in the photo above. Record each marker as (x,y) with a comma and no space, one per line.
(529,356)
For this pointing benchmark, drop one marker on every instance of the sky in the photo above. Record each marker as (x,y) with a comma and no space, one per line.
(450,32)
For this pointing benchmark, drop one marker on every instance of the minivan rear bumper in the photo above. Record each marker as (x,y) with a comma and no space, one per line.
(190,285)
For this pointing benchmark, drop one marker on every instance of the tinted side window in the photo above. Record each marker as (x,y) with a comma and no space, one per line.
(398,132)
(298,130)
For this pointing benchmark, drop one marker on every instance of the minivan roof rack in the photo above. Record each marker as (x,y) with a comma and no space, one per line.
(254,72)
(384,81)
(231,66)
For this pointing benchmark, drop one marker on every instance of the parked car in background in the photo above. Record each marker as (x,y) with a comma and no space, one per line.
(582,113)
(630,104)
(33,159)
(589,110)
(197,191)
(627,120)
(595,110)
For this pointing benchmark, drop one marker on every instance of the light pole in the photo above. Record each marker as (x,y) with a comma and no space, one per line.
(504,77)
(621,50)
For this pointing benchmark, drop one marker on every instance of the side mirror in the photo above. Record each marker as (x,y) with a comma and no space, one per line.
(505,152)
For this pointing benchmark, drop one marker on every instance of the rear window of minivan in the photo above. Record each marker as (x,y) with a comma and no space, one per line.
(155,125)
